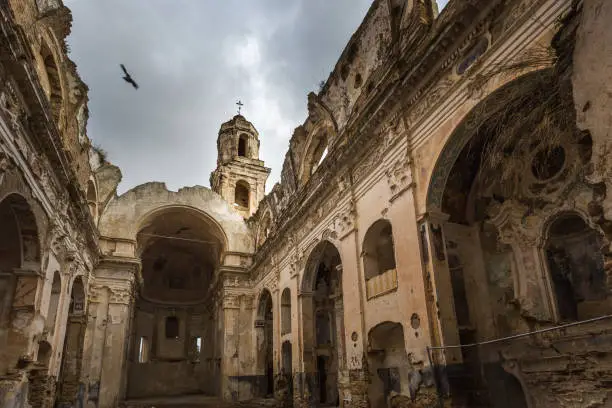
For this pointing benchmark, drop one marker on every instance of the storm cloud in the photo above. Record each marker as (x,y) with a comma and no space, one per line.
(193,59)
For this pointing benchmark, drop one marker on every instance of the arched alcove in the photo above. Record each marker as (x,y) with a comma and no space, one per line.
(19,265)
(513,161)
(576,267)
(388,362)
(175,324)
(379,258)
(264,331)
(286,311)
(323,320)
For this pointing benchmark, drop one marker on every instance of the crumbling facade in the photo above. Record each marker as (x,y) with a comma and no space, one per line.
(440,235)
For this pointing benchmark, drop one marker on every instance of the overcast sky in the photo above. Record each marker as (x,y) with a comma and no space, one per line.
(193,59)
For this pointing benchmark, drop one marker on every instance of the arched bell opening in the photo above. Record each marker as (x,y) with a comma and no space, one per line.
(243,143)
(175,348)
(323,325)
(19,267)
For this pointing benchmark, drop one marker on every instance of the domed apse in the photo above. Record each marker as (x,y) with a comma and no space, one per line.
(180,250)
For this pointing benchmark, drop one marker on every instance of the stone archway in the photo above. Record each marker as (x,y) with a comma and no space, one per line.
(19,266)
(175,347)
(322,327)
(515,159)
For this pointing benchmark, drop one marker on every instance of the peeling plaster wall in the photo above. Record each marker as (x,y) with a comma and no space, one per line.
(592,86)
(364,54)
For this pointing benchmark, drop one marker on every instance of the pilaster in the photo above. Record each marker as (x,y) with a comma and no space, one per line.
(114,292)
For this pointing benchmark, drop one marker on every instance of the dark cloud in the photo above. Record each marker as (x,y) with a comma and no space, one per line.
(193,60)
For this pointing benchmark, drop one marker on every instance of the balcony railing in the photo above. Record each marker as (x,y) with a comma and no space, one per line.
(380,284)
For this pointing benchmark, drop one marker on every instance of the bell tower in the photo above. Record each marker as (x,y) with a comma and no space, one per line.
(240,177)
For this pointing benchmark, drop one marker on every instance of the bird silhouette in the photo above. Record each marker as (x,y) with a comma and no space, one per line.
(128,78)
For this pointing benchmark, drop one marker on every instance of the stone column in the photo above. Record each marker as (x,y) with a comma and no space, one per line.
(108,366)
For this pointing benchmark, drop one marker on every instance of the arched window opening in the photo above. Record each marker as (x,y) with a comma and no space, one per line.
(318,155)
(143,350)
(242,145)
(286,311)
(576,267)
(172,327)
(56,290)
(92,199)
(388,358)
(241,195)
(379,259)
(316,151)
(51,81)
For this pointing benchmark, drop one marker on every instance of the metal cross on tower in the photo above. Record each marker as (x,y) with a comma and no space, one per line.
(240,105)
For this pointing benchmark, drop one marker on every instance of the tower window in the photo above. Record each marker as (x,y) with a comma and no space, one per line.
(241,197)
(242,145)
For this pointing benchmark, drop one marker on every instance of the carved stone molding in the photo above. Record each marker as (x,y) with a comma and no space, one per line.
(345,222)
(399,177)
(121,295)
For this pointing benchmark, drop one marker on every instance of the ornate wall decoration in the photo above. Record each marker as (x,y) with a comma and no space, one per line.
(345,222)
(399,177)
(123,296)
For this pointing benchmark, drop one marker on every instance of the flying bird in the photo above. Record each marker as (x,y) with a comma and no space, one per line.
(128,77)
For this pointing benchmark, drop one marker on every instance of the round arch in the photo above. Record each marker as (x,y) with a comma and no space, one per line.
(264,297)
(264,332)
(318,141)
(147,219)
(324,248)
(492,105)
(124,216)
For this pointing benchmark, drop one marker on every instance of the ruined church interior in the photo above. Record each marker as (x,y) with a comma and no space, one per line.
(440,234)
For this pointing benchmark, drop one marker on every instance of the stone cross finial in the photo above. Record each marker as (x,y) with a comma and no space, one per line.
(240,105)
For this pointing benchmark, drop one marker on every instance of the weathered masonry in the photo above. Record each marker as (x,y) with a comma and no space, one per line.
(440,235)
